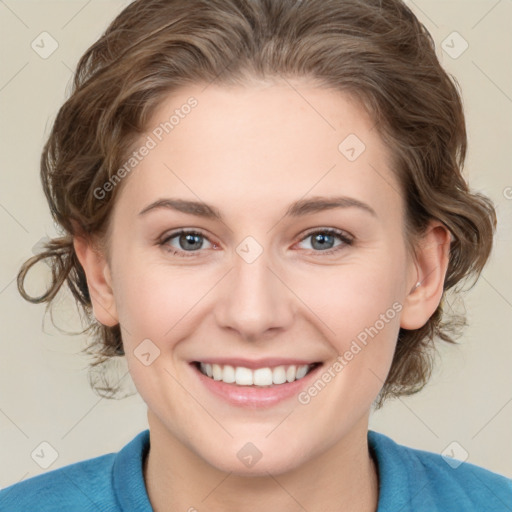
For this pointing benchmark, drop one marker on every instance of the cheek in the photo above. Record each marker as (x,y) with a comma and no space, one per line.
(348,299)
(359,307)
(153,300)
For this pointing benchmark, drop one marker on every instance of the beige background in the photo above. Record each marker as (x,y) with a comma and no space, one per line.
(45,396)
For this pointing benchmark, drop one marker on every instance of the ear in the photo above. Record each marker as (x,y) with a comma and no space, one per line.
(432,260)
(99,280)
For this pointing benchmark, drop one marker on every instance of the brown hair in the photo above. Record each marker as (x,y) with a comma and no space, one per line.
(375,50)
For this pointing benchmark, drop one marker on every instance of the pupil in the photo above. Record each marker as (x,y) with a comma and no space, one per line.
(321,238)
(189,238)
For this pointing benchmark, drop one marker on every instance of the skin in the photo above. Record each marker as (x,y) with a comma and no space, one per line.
(251,151)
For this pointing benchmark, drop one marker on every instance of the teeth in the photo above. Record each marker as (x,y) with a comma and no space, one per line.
(260,377)
(228,374)
(301,372)
(279,374)
(217,372)
(244,376)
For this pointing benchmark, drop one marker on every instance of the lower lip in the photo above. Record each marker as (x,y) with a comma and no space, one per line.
(254,396)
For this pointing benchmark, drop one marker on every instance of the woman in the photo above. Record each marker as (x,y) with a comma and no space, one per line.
(264,207)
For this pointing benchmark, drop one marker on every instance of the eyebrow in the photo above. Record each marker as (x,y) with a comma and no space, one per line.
(299,208)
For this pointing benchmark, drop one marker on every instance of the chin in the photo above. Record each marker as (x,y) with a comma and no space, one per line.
(247,459)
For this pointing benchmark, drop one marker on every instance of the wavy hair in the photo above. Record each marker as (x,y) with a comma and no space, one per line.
(375,50)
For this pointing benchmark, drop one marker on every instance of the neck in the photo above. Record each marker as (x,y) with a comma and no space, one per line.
(343,477)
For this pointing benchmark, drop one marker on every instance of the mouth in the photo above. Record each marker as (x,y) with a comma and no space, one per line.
(262,377)
(255,384)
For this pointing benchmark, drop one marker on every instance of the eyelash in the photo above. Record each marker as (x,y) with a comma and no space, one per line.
(347,241)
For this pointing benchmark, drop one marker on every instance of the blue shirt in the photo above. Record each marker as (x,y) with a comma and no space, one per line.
(409,480)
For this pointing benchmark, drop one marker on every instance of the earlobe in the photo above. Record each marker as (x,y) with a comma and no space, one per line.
(99,281)
(432,264)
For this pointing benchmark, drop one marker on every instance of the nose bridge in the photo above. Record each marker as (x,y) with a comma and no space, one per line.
(255,300)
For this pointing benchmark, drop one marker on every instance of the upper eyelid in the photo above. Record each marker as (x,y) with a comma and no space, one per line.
(337,231)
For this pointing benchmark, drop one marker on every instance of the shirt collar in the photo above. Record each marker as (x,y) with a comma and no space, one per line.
(131,493)
(128,477)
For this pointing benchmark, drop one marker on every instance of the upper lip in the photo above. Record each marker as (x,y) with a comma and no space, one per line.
(255,363)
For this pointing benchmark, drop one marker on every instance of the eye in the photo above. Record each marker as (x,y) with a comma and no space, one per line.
(323,239)
(188,242)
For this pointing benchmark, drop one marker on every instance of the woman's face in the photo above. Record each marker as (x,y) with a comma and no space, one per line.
(264,280)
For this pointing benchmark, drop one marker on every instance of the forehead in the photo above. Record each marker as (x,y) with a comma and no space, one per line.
(270,142)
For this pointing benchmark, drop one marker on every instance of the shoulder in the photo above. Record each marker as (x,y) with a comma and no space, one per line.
(78,486)
(423,480)
(88,485)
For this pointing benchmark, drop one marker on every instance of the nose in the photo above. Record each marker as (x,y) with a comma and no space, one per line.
(254,300)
